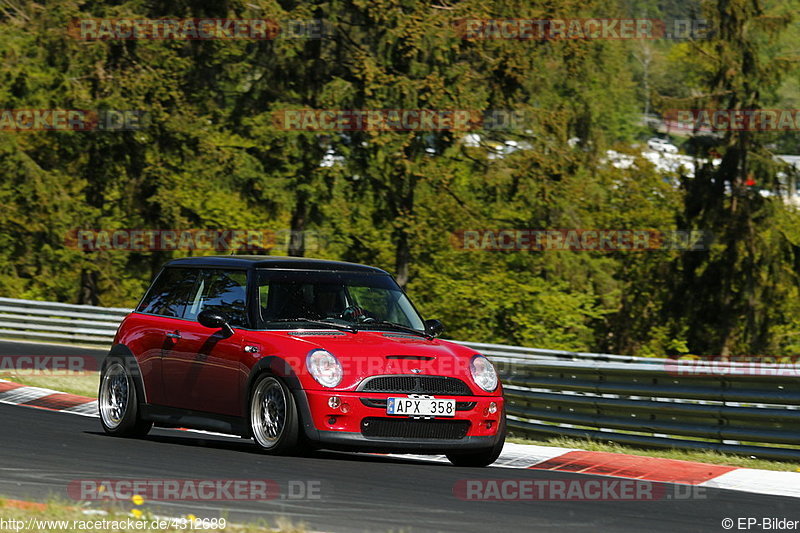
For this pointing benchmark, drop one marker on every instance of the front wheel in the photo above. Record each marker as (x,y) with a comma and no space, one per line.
(118,403)
(274,419)
(480,458)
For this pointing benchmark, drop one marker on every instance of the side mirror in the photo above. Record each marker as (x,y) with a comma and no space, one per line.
(215,320)
(434,327)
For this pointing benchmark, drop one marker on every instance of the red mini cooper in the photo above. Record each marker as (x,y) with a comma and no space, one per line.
(298,354)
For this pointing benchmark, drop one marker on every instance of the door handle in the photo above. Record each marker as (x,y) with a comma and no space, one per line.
(176,335)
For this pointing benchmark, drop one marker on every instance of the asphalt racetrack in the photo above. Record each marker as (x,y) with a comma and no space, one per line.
(42,452)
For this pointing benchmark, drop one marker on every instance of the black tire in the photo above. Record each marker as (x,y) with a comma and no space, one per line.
(118,401)
(274,419)
(480,458)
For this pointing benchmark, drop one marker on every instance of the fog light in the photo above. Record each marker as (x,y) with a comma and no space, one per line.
(334,402)
(331,420)
(345,408)
(492,408)
(489,424)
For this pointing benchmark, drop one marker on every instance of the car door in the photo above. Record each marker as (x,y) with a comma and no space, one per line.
(203,369)
(149,332)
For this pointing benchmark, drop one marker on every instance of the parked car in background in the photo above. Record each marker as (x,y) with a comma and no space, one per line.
(662,145)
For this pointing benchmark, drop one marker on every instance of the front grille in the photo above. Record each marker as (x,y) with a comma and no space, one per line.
(380,403)
(414,429)
(416,385)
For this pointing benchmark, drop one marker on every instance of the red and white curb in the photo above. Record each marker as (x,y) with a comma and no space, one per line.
(16,394)
(655,469)
(522,456)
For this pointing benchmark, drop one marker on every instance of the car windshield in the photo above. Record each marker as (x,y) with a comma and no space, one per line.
(295,298)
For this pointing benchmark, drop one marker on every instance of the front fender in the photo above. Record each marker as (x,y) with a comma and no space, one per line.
(277,366)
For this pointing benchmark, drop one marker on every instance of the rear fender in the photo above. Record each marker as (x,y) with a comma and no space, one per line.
(131,365)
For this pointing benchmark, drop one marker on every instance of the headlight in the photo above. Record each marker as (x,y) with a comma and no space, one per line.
(483,373)
(325,368)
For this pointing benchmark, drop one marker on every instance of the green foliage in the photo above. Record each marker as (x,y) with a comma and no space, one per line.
(212,157)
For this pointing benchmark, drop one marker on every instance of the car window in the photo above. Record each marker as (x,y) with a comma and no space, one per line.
(373,300)
(224,291)
(391,305)
(292,299)
(327,295)
(169,294)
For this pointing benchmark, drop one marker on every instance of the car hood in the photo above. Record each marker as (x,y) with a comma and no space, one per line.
(371,353)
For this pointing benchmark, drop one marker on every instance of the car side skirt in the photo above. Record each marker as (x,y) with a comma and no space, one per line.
(170,417)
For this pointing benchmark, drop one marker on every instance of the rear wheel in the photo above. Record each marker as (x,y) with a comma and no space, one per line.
(274,418)
(480,458)
(118,403)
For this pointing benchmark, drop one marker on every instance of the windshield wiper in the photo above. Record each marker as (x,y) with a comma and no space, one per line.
(395,326)
(343,327)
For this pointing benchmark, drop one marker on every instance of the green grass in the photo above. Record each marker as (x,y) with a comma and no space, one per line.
(74,514)
(702,456)
(80,383)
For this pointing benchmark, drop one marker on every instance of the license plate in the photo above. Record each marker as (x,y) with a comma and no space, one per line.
(420,407)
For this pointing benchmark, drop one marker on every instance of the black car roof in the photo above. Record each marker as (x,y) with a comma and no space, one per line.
(272,261)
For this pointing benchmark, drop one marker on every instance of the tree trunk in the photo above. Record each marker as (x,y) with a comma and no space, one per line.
(402,258)
(88,291)
(297,240)
(402,242)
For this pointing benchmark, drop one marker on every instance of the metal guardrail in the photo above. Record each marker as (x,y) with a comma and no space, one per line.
(33,319)
(52,321)
(649,402)
(734,408)
(505,352)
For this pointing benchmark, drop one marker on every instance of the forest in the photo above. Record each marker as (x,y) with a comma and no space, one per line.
(297,132)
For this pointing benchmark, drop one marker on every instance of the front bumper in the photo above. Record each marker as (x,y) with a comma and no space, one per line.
(344,427)
(339,440)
